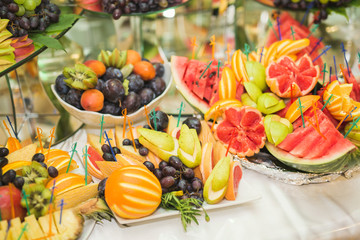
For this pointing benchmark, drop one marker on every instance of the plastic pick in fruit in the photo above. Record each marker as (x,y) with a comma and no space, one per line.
(342,104)
(220,106)
(294,113)
(227,84)
(287,78)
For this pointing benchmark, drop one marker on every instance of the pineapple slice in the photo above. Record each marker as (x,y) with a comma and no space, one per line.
(71,224)
(2,234)
(15,230)
(34,231)
(44,222)
(3,225)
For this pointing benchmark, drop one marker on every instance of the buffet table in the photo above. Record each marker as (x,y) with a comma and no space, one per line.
(316,211)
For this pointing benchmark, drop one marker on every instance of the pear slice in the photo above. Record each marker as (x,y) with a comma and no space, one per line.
(3,225)
(119,135)
(172,125)
(278,132)
(160,139)
(267,99)
(256,73)
(186,140)
(216,185)
(253,90)
(189,155)
(161,153)
(247,101)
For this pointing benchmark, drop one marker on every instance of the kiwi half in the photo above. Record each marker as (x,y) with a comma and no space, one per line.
(81,77)
(34,173)
(38,199)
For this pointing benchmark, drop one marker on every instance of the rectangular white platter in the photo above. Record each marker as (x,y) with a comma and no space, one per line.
(245,195)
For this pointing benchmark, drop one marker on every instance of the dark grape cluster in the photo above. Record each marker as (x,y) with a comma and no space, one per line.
(175,176)
(111,84)
(119,7)
(108,156)
(304,4)
(28,15)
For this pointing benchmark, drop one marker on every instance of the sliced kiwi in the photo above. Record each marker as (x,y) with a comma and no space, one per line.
(34,173)
(37,199)
(81,77)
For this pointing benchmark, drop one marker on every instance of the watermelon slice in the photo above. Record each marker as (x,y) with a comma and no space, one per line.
(199,92)
(305,149)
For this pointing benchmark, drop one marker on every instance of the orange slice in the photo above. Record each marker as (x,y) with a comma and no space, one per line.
(12,144)
(227,84)
(16,166)
(206,164)
(219,106)
(238,66)
(294,113)
(66,182)
(62,164)
(294,47)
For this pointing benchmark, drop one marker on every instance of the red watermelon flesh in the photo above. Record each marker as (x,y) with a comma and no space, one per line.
(308,143)
(181,65)
(190,73)
(355,93)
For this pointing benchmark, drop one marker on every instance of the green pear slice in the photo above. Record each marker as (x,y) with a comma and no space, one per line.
(279,131)
(270,101)
(172,125)
(256,73)
(193,159)
(247,101)
(161,153)
(253,90)
(216,185)
(160,139)
(186,140)
(267,124)
(261,104)
(287,123)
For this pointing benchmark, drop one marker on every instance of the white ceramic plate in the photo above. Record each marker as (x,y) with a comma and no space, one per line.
(93,118)
(246,194)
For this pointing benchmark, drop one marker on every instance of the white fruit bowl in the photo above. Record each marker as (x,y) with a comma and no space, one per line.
(93,118)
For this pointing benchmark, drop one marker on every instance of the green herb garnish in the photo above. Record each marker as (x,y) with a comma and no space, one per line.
(187,207)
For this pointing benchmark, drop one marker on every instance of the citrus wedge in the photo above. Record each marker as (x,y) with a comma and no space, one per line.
(227,84)
(294,113)
(66,182)
(238,66)
(219,106)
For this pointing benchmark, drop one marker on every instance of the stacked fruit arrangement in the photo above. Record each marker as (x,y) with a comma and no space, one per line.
(144,167)
(119,7)
(280,102)
(40,197)
(118,80)
(28,15)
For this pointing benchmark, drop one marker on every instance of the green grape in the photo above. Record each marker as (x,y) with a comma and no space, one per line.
(21,11)
(30,5)
(29,13)
(38,2)
(18,2)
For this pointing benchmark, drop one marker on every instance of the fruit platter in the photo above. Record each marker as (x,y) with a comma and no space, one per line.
(279,103)
(44,194)
(119,85)
(129,8)
(28,27)
(148,165)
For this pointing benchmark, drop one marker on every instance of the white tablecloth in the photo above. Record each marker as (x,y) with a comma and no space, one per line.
(316,211)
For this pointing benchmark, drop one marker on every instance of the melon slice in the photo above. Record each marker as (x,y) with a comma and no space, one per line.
(306,150)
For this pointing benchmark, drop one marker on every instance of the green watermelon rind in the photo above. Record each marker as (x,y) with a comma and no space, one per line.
(340,162)
(197,103)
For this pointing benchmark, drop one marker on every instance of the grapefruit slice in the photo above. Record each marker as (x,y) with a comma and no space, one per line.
(242,128)
(234,180)
(93,168)
(287,78)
